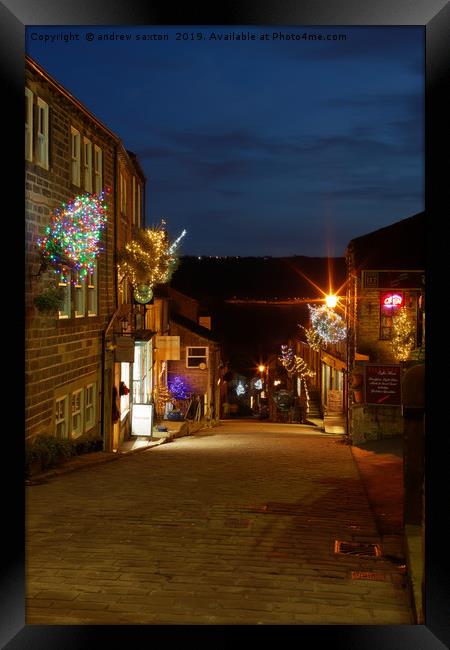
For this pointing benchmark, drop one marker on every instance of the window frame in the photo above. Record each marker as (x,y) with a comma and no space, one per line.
(65,281)
(123,195)
(92,286)
(76,433)
(88,425)
(87,164)
(197,356)
(98,169)
(75,168)
(139,205)
(64,419)
(133,194)
(42,136)
(29,97)
(80,293)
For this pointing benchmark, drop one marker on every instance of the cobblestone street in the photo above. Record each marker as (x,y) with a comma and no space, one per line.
(234,525)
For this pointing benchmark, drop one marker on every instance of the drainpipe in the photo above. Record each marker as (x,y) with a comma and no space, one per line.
(116,301)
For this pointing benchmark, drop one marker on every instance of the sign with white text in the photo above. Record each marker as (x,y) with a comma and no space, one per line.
(383,384)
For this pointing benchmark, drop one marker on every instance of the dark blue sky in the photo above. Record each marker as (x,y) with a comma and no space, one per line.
(274,147)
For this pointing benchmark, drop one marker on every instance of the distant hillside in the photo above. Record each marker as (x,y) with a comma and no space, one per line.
(257,277)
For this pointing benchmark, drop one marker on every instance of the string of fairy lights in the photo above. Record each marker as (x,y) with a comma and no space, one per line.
(72,238)
(295,364)
(403,337)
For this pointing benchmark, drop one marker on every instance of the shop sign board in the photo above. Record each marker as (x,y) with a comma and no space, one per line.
(383,384)
(142,420)
(167,348)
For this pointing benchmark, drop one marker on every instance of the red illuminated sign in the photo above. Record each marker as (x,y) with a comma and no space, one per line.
(392,300)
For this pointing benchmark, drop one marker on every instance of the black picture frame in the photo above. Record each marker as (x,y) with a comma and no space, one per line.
(434,16)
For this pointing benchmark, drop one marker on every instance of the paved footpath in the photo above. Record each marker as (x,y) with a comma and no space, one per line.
(234,525)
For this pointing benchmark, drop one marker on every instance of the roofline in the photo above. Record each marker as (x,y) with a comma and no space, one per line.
(374,232)
(173,318)
(61,89)
(70,97)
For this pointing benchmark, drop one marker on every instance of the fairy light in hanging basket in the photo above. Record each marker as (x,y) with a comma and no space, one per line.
(72,238)
(329,326)
(149,259)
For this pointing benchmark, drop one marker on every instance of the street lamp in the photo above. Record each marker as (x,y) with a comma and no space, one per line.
(331,301)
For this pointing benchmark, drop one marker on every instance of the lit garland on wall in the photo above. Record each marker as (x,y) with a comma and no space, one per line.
(328,325)
(240,390)
(73,235)
(403,338)
(149,259)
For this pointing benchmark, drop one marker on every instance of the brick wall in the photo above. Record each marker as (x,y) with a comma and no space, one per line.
(368,330)
(375,422)
(62,353)
(197,379)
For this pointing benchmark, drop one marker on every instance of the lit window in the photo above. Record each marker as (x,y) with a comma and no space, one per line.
(61,428)
(196,356)
(77,413)
(80,296)
(87,144)
(390,303)
(64,282)
(28,124)
(76,156)
(89,408)
(98,169)
(123,195)
(42,134)
(134,200)
(139,205)
(92,292)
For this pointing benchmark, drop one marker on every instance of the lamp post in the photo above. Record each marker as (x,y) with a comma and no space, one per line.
(331,302)
(262,369)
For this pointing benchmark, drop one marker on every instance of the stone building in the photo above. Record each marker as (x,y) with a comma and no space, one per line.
(70,371)
(199,361)
(386,271)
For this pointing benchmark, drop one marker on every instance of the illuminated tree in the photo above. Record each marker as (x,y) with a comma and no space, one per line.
(403,336)
(149,259)
(178,388)
(314,340)
(295,364)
